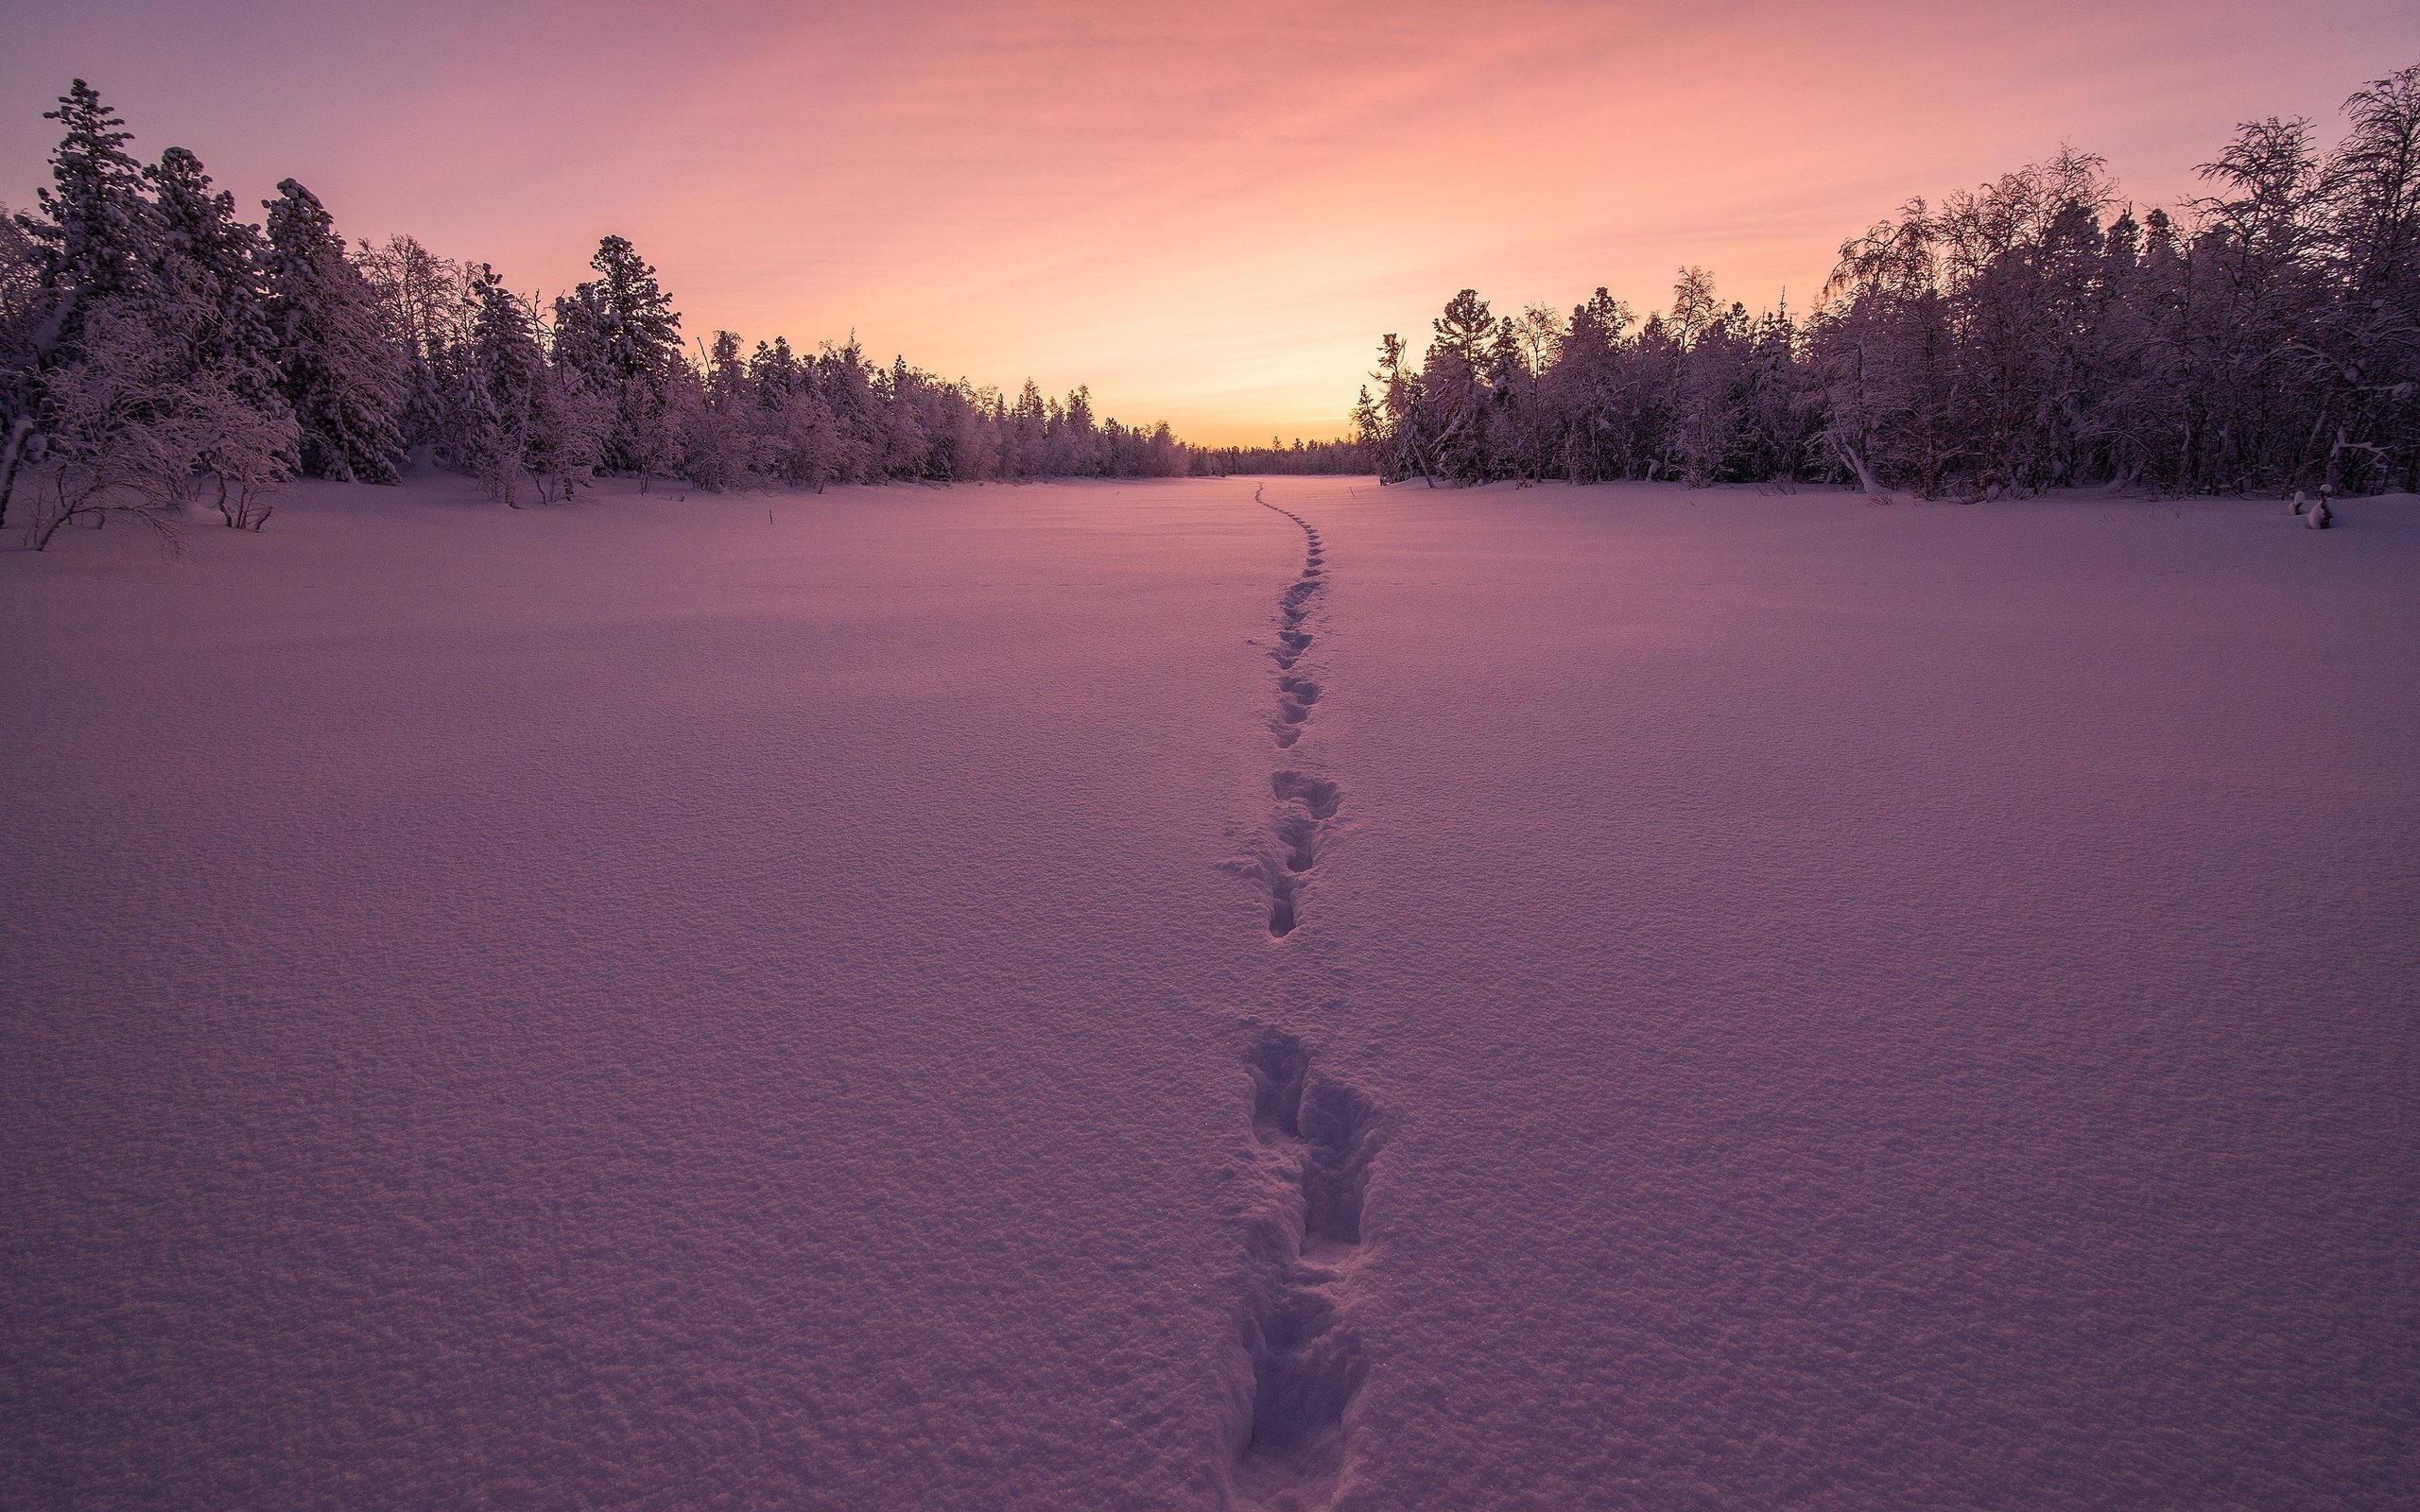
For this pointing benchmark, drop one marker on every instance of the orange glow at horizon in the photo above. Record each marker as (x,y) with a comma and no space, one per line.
(1207,214)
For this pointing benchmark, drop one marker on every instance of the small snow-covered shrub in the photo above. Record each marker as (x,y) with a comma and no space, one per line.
(246,455)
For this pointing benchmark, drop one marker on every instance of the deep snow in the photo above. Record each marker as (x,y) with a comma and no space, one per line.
(1107,996)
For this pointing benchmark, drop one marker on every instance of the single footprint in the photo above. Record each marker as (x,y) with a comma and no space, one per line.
(1299,832)
(1316,794)
(1281,905)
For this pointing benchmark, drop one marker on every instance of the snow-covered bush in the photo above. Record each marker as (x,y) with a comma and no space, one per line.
(135,431)
(814,449)
(569,424)
(246,454)
(718,448)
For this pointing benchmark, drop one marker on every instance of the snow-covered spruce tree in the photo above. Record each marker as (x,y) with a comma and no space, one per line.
(647,428)
(783,398)
(209,281)
(501,375)
(95,225)
(89,240)
(847,386)
(620,332)
(1451,401)
(1384,420)
(1023,424)
(810,448)
(343,369)
(524,420)
(729,387)
(905,445)
(139,343)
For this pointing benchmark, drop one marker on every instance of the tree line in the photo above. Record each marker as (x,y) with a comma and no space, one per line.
(1345,454)
(2031,334)
(158,352)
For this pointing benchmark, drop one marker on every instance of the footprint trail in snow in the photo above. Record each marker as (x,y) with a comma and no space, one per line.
(1313,1136)
(1305,804)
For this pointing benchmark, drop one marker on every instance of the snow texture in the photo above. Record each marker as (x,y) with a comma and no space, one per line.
(1213,994)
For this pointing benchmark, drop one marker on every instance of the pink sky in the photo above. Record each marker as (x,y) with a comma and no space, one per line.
(1209,214)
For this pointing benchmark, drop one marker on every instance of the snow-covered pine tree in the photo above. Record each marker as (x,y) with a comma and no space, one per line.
(501,375)
(1454,401)
(728,386)
(647,330)
(95,226)
(530,422)
(584,336)
(773,373)
(344,373)
(89,242)
(209,269)
(620,332)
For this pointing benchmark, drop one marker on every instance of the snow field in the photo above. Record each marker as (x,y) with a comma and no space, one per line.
(1108,995)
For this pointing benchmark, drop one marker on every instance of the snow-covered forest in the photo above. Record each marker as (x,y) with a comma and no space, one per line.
(2031,334)
(157,351)
(160,352)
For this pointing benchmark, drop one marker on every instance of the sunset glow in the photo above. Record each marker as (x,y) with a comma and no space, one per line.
(1249,757)
(1208,214)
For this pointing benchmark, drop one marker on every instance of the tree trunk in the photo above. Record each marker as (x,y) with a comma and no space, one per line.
(1854,461)
(19,432)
